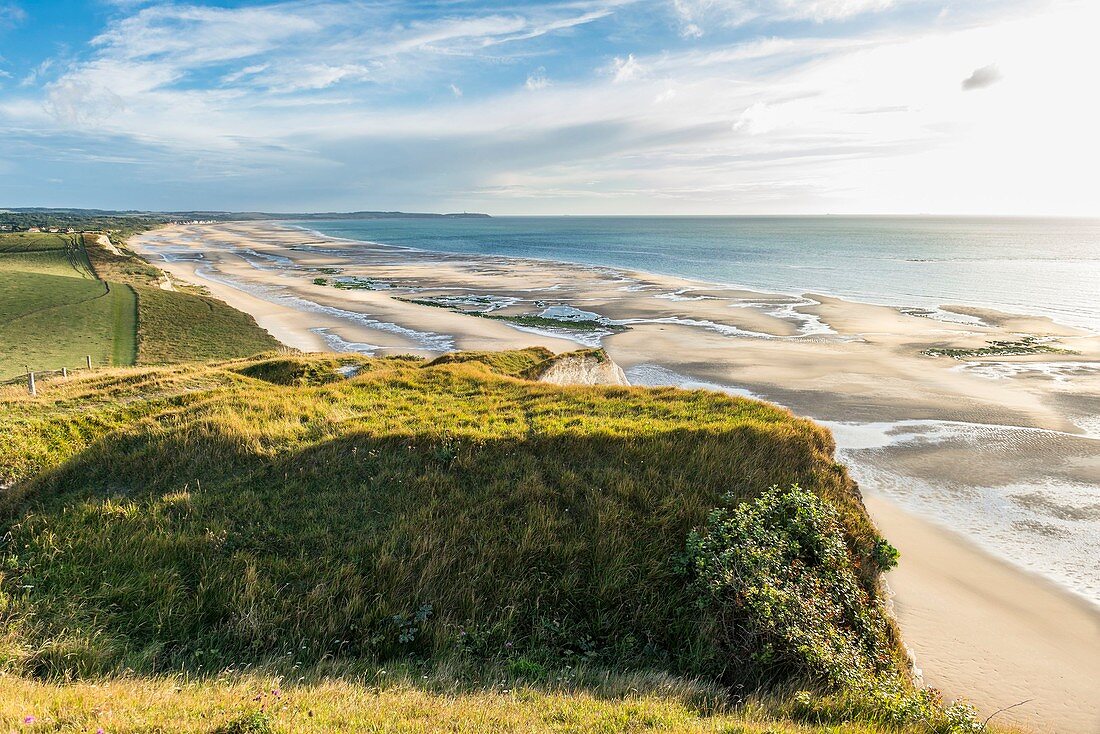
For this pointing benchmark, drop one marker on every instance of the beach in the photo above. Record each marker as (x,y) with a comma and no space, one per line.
(981,466)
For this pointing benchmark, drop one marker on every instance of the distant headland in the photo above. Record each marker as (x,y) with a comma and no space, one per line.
(26,218)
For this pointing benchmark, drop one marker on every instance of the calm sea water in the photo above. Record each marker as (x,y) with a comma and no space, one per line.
(1041,266)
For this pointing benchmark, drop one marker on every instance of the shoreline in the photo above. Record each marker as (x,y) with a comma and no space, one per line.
(866,368)
(1004,619)
(1007,309)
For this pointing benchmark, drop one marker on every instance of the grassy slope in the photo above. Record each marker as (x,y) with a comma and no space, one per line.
(56,307)
(179,326)
(52,310)
(203,518)
(349,503)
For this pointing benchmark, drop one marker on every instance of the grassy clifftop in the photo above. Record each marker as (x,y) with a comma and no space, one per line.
(269,514)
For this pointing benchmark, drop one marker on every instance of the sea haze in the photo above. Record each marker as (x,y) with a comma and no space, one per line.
(1025,265)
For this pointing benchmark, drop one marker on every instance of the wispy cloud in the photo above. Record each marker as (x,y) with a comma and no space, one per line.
(623,69)
(575,105)
(11,15)
(696,15)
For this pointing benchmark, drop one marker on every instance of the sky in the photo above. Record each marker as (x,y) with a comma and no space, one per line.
(556,107)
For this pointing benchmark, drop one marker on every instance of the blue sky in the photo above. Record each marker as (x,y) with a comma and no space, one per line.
(578,106)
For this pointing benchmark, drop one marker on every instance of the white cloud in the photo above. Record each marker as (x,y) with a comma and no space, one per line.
(695,14)
(456,90)
(37,73)
(625,69)
(758,119)
(869,122)
(537,80)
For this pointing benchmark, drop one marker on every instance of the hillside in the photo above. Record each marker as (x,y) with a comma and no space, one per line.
(54,311)
(469,530)
(67,296)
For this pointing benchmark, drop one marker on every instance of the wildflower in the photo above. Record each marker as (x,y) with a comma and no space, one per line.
(29,719)
(100,731)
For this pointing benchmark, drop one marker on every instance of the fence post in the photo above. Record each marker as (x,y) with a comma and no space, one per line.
(31,386)
(88,359)
(64,371)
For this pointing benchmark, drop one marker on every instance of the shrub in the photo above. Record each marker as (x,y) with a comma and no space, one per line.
(780,593)
(886,703)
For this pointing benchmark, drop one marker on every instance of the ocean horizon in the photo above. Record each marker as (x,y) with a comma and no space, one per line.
(1027,265)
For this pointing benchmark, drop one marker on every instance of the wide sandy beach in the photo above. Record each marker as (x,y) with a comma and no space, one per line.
(1003,451)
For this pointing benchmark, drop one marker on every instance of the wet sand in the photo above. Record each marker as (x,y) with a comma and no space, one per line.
(1001,448)
(967,623)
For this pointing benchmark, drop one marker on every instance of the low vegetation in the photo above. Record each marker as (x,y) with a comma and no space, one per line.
(180,327)
(1000,348)
(53,310)
(529,320)
(434,545)
(64,297)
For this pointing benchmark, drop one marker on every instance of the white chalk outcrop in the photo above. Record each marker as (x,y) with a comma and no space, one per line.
(590,367)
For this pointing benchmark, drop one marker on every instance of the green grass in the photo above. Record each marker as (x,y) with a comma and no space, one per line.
(543,322)
(423,546)
(52,321)
(1020,347)
(54,310)
(238,523)
(15,242)
(180,327)
(517,363)
(401,703)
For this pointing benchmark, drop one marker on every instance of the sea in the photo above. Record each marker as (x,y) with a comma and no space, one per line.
(1047,267)
(1047,523)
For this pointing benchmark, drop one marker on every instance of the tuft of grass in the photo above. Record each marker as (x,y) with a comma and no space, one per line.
(515,363)
(545,322)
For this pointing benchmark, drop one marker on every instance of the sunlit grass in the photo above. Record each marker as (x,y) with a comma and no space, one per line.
(180,540)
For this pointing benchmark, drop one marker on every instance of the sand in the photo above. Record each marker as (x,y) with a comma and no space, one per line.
(1005,448)
(981,628)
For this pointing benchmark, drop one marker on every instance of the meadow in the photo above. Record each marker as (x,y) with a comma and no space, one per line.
(64,297)
(54,311)
(394,544)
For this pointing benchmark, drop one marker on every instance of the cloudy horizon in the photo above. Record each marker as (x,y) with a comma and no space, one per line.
(570,107)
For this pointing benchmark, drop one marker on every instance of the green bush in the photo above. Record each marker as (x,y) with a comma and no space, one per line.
(886,703)
(782,598)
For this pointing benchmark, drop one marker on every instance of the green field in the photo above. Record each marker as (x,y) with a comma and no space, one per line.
(54,310)
(431,546)
(182,327)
